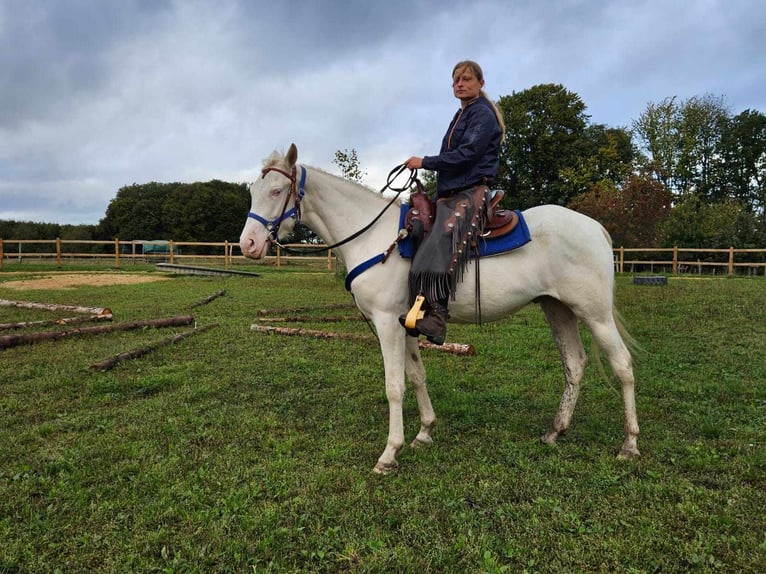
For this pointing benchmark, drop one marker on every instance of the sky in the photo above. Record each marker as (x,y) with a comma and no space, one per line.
(96,95)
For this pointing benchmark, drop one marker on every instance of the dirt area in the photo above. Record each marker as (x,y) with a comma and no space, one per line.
(73,280)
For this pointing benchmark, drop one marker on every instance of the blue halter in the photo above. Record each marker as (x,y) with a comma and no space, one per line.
(272,226)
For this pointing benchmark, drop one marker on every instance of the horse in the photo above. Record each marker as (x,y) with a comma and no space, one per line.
(567,269)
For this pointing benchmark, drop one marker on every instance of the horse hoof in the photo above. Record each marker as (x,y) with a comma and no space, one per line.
(385,469)
(421,443)
(549,438)
(628,454)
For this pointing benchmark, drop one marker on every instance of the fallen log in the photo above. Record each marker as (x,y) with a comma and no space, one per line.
(7,341)
(55,307)
(453,348)
(111,362)
(207,300)
(263,312)
(65,321)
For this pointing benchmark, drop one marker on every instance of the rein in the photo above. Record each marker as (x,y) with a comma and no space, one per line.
(297,191)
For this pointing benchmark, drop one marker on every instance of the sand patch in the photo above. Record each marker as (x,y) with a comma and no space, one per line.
(74,280)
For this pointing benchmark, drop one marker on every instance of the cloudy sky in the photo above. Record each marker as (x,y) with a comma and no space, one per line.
(99,94)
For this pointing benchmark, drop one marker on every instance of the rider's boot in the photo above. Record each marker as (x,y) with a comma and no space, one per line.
(434,324)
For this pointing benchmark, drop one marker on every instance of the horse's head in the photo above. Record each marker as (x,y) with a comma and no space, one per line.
(275,204)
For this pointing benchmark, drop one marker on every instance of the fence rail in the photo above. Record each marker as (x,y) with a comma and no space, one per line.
(131,252)
(689,260)
(675,260)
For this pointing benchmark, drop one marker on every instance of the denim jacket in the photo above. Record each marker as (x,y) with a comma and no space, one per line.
(470,151)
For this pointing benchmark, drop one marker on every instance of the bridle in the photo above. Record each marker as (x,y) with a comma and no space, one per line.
(297,191)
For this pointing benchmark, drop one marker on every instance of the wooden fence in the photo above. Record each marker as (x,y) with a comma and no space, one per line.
(678,260)
(119,253)
(674,260)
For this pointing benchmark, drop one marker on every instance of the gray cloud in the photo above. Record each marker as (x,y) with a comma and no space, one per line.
(100,94)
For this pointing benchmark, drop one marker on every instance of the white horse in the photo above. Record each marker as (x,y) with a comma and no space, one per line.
(567,269)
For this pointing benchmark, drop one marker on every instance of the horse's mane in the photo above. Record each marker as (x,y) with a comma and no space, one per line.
(276,158)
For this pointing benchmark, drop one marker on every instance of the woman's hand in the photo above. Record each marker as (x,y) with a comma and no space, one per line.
(414,163)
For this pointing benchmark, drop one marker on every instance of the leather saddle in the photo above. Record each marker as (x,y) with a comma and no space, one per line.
(501,221)
(420,217)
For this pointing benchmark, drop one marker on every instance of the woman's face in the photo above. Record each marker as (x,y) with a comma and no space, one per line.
(465,85)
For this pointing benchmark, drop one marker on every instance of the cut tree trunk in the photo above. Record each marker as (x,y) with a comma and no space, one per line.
(453,348)
(207,300)
(111,362)
(66,321)
(55,307)
(7,341)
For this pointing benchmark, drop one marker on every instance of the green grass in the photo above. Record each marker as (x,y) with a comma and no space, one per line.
(233,451)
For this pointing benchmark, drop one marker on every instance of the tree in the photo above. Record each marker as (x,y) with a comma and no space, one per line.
(545,133)
(742,166)
(210,211)
(606,155)
(136,212)
(681,140)
(349,165)
(695,223)
(632,214)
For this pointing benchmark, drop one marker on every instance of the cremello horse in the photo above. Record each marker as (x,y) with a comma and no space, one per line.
(567,268)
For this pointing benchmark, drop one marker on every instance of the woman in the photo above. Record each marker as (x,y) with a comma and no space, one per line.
(466,164)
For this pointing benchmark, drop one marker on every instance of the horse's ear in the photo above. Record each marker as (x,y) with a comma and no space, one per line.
(292,155)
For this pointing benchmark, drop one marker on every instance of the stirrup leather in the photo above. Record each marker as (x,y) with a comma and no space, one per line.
(416,312)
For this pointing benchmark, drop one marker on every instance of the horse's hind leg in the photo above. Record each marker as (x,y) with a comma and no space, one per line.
(416,373)
(607,336)
(564,329)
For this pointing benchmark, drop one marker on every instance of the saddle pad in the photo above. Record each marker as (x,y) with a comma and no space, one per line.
(513,240)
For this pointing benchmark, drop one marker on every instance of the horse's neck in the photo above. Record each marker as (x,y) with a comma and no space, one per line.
(335,208)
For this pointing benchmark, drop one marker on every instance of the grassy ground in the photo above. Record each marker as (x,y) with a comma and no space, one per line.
(234,451)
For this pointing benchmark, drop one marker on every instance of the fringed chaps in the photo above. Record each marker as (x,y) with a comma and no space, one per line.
(441,260)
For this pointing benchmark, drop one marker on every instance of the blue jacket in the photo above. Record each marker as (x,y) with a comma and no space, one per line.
(470,149)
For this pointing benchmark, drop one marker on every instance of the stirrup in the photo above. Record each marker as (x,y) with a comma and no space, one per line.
(416,312)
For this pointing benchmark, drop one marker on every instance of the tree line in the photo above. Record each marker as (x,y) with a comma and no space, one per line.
(686,172)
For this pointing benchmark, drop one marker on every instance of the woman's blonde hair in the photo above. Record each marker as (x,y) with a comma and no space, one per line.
(479,73)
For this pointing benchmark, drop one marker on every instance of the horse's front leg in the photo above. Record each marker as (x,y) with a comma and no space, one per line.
(392,345)
(416,373)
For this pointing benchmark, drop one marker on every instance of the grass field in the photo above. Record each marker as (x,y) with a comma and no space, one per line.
(234,451)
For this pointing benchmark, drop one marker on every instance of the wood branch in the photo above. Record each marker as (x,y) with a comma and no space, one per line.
(111,362)
(55,307)
(65,321)
(304,319)
(7,341)
(207,300)
(263,312)
(453,348)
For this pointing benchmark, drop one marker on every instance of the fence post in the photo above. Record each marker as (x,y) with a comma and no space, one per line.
(622,259)
(675,259)
(329,260)
(279,257)
(731,260)
(226,254)
(2,256)
(117,252)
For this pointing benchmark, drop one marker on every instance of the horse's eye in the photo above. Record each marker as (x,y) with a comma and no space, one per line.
(276,192)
